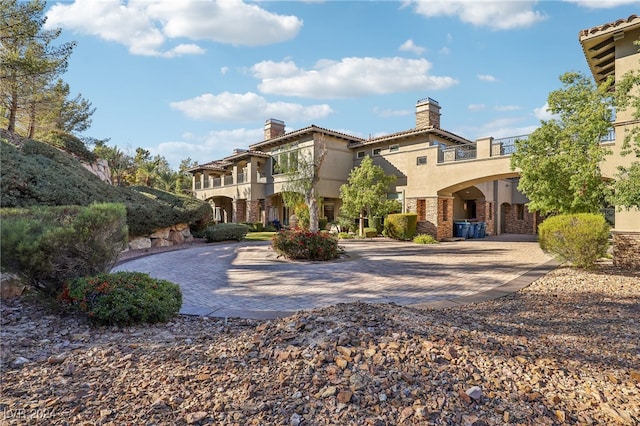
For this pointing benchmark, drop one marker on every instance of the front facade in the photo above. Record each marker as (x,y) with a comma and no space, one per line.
(442,177)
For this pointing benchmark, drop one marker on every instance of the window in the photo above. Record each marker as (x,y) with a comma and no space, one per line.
(376,151)
(360,154)
(394,148)
(421,161)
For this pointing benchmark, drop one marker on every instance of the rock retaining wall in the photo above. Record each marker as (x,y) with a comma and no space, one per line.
(174,235)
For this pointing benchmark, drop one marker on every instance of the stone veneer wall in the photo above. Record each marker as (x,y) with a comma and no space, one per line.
(527,225)
(432,219)
(239,211)
(484,213)
(253,211)
(626,249)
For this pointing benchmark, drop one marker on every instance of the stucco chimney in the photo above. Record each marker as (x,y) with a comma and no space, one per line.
(427,113)
(273,128)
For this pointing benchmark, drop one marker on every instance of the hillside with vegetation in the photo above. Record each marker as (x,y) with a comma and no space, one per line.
(35,174)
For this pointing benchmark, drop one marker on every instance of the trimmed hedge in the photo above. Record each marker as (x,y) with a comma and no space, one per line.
(123,298)
(225,232)
(579,238)
(39,174)
(50,245)
(401,226)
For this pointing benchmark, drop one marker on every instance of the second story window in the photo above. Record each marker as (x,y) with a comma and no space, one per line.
(376,151)
(421,161)
(394,148)
(360,154)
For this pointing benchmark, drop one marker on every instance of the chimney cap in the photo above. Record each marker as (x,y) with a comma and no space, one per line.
(274,121)
(427,100)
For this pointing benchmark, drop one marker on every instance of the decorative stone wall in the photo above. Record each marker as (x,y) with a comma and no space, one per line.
(253,211)
(174,235)
(239,211)
(626,249)
(484,213)
(101,169)
(527,224)
(435,216)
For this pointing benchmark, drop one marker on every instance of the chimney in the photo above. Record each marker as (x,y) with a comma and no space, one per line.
(273,128)
(427,113)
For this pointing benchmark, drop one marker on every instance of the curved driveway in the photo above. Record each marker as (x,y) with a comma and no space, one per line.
(249,280)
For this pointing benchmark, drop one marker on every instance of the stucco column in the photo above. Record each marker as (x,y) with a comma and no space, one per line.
(483,147)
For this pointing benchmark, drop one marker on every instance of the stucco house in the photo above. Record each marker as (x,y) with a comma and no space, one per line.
(443,177)
(610,51)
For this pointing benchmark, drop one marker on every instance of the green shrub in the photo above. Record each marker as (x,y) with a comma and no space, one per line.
(579,238)
(376,222)
(225,232)
(370,232)
(50,245)
(424,239)
(401,226)
(39,174)
(322,223)
(124,298)
(305,245)
(345,236)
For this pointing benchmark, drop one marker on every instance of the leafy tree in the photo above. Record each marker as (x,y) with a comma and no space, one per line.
(303,172)
(28,60)
(184,178)
(560,161)
(626,188)
(366,192)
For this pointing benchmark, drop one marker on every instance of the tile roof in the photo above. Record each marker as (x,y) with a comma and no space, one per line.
(410,133)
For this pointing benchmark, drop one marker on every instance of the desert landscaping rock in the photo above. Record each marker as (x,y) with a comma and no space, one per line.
(564,350)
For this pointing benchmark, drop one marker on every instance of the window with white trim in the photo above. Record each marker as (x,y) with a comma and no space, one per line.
(376,151)
(360,154)
(394,148)
(421,161)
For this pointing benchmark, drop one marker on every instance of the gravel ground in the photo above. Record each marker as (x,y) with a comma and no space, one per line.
(565,350)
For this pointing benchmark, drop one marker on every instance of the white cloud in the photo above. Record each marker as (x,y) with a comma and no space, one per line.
(506,108)
(385,113)
(487,78)
(247,107)
(224,70)
(348,78)
(476,107)
(543,113)
(410,46)
(213,146)
(496,15)
(505,127)
(146,26)
(602,4)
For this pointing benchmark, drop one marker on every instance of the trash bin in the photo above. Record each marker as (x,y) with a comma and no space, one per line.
(461,229)
(483,230)
(474,229)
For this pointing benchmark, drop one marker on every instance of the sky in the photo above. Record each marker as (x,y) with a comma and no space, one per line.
(197,79)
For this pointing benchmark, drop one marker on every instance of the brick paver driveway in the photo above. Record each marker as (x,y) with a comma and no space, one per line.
(249,280)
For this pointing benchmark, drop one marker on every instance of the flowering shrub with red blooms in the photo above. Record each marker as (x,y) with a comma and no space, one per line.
(306,245)
(123,298)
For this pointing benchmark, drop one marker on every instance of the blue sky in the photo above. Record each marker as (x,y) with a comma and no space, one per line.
(198,78)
